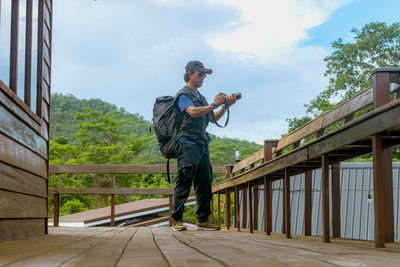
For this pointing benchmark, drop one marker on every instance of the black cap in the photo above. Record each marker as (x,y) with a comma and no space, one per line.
(197,65)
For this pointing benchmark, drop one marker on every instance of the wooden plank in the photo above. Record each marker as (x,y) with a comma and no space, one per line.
(267,206)
(46,73)
(121,168)
(325,199)
(46,93)
(259,155)
(113,191)
(17,155)
(15,205)
(11,229)
(47,17)
(244,211)
(46,55)
(105,252)
(45,112)
(255,213)
(227,209)
(307,202)
(142,251)
(46,35)
(16,180)
(13,103)
(178,253)
(219,207)
(336,200)
(22,133)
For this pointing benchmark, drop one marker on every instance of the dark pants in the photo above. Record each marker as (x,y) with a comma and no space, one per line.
(193,167)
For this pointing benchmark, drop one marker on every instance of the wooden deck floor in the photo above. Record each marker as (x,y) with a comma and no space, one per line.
(121,246)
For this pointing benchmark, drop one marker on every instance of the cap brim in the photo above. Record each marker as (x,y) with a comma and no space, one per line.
(207,71)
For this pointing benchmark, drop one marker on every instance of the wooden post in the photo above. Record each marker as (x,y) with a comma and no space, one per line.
(244,216)
(325,199)
(28,52)
(219,208)
(255,220)
(379,207)
(287,202)
(283,208)
(336,200)
(56,205)
(251,226)
(228,209)
(267,206)
(14,46)
(237,207)
(307,202)
(383,163)
(112,221)
(212,208)
(170,207)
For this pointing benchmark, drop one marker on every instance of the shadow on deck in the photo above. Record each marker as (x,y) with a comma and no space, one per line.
(124,246)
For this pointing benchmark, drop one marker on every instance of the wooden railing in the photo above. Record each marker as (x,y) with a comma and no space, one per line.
(113,169)
(312,146)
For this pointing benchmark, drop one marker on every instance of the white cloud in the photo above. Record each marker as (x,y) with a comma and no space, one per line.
(270,29)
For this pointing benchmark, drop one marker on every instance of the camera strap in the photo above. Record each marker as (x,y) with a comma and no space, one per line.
(226,122)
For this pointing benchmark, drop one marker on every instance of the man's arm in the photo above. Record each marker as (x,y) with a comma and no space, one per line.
(196,112)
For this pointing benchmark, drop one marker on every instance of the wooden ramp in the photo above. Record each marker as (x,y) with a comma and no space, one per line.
(125,246)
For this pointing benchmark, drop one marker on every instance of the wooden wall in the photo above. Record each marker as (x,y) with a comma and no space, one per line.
(24,140)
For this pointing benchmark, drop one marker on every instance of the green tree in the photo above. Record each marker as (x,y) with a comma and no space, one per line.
(376,45)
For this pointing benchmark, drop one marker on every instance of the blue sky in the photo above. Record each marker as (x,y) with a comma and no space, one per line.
(128,52)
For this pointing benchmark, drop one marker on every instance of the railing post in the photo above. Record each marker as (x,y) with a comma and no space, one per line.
(336,200)
(244,211)
(382,157)
(228,209)
(212,208)
(325,199)
(219,208)
(170,207)
(255,213)
(237,206)
(112,221)
(307,202)
(286,195)
(56,205)
(267,206)
(251,226)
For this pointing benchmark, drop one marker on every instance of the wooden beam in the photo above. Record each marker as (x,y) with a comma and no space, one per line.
(259,155)
(307,202)
(336,200)
(251,225)
(120,168)
(112,220)
(286,196)
(116,191)
(212,208)
(325,199)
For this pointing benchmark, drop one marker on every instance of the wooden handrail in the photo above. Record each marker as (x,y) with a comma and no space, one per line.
(114,169)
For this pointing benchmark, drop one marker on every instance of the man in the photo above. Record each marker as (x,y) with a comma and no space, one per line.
(192,146)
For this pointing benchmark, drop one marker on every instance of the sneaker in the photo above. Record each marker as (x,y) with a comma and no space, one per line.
(207,226)
(178,226)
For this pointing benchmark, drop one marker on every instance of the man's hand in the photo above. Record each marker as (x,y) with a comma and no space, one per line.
(230,100)
(219,99)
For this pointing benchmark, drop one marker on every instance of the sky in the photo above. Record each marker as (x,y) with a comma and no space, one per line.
(128,52)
